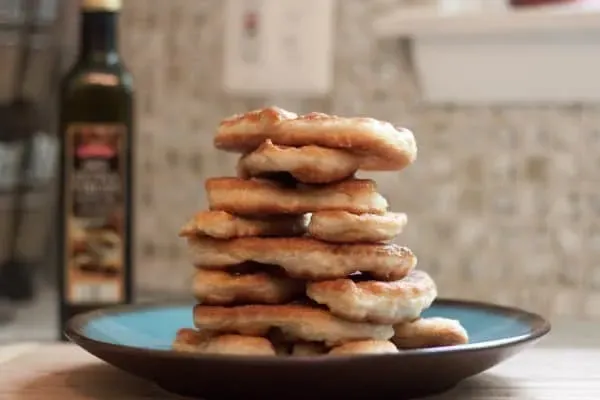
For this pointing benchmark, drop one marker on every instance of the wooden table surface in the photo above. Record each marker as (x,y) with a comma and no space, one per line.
(565,366)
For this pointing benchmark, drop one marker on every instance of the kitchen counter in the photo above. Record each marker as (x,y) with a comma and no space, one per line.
(564,366)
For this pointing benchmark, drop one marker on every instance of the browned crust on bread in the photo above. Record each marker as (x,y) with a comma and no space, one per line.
(345,227)
(210,342)
(223,225)
(365,347)
(306,164)
(259,196)
(305,257)
(412,285)
(429,332)
(215,287)
(296,322)
(376,301)
(255,123)
(379,144)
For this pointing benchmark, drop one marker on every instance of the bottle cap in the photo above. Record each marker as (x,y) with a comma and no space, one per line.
(101,5)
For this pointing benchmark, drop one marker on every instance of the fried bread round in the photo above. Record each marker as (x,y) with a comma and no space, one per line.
(210,342)
(223,225)
(306,164)
(345,227)
(375,301)
(378,144)
(216,287)
(234,131)
(365,347)
(261,196)
(296,322)
(429,332)
(304,257)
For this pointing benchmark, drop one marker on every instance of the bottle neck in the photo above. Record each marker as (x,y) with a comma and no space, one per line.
(98,37)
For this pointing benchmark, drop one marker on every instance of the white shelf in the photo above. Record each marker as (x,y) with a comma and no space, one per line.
(547,55)
(409,22)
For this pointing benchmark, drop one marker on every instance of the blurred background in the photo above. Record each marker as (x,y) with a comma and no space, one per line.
(503,201)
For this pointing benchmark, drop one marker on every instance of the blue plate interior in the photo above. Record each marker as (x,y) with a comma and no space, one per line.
(155,328)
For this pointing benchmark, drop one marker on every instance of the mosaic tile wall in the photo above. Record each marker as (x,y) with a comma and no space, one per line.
(503,203)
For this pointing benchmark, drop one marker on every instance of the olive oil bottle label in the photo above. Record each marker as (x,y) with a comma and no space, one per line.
(95,204)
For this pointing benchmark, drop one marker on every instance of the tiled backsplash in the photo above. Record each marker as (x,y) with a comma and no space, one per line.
(503,203)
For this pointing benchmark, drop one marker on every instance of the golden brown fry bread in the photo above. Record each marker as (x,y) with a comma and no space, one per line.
(429,332)
(365,347)
(305,258)
(296,322)
(376,301)
(261,196)
(235,131)
(307,164)
(223,225)
(350,348)
(223,288)
(379,144)
(207,342)
(345,227)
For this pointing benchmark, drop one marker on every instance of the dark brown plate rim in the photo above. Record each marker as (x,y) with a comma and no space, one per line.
(539,328)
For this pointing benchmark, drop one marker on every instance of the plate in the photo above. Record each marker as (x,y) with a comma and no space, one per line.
(137,339)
